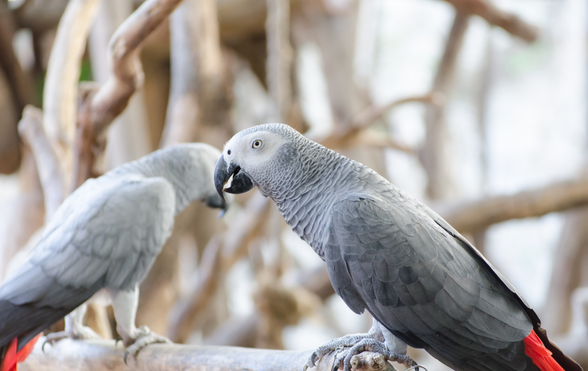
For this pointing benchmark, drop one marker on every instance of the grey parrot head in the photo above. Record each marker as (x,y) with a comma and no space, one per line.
(195,162)
(267,156)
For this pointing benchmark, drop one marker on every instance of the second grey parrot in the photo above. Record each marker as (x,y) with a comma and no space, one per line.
(424,284)
(104,237)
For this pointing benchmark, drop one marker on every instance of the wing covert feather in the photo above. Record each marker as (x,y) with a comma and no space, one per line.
(419,281)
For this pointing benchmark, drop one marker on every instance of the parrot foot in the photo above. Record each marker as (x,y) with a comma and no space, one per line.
(338,345)
(344,358)
(144,337)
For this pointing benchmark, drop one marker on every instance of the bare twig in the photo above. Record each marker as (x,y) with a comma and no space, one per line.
(48,165)
(351,131)
(508,22)
(472,216)
(69,355)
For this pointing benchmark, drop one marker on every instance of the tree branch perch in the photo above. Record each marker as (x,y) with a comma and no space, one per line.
(102,355)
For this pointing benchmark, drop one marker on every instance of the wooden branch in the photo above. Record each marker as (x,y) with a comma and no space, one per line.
(100,106)
(433,154)
(49,167)
(102,355)
(63,72)
(279,58)
(567,271)
(40,15)
(19,82)
(472,216)
(508,22)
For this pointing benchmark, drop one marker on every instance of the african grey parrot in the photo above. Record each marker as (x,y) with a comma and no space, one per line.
(424,284)
(104,237)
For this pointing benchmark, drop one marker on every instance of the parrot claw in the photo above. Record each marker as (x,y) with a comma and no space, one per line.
(346,360)
(144,338)
(335,345)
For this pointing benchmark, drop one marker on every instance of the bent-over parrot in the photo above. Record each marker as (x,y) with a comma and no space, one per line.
(424,284)
(104,237)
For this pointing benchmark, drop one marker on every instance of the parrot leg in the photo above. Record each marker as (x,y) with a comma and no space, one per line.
(124,304)
(74,328)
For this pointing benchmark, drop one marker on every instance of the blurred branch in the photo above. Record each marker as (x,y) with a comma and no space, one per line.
(63,72)
(219,256)
(568,264)
(244,331)
(279,58)
(48,165)
(351,132)
(508,22)
(19,82)
(433,154)
(100,106)
(69,355)
(40,15)
(472,216)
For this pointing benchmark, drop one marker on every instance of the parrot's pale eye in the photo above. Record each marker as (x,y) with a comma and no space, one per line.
(257,143)
(229,152)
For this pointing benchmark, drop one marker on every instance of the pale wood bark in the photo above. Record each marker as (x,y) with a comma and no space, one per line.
(128,137)
(101,355)
(60,91)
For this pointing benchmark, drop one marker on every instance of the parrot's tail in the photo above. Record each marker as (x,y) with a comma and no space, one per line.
(10,356)
(540,355)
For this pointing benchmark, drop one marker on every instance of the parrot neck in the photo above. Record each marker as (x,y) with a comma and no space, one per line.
(305,205)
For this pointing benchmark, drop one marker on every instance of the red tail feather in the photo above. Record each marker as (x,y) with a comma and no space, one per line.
(11,358)
(540,355)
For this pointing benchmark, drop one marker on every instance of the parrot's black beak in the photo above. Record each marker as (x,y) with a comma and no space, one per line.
(217,202)
(240,183)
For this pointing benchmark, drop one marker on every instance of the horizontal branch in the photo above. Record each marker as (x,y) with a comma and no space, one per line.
(472,216)
(102,355)
(508,22)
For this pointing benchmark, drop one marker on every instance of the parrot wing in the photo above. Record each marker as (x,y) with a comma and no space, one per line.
(106,234)
(423,284)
